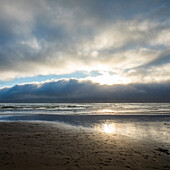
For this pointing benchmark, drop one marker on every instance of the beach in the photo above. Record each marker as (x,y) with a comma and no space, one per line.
(84,84)
(47,145)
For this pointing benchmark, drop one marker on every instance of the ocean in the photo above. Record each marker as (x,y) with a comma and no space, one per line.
(146,121)
(86,108)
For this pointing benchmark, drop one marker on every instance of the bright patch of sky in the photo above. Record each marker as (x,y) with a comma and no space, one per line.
(44,78)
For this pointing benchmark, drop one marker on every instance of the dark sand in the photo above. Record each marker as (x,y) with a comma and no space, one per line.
(25,145)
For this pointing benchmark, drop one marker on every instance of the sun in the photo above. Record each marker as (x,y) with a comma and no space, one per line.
(107,79)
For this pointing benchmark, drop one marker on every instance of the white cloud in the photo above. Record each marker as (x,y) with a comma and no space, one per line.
(58,37)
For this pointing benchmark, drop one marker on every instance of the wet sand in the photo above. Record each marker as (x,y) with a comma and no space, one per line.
(39,145)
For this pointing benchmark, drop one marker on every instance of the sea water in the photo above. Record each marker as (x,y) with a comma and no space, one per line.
(144,121)
(86,108)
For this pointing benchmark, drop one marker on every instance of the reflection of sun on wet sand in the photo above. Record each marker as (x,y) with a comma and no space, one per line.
(108,128)
(55,146)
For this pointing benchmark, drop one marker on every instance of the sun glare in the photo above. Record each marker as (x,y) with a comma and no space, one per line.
(110,79)
(108,128)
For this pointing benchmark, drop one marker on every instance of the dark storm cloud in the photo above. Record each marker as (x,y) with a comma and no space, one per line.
(85,91)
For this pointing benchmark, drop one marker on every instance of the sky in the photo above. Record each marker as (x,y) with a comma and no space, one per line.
(84,51)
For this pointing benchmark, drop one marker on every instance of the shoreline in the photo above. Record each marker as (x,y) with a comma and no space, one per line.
(46,145)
